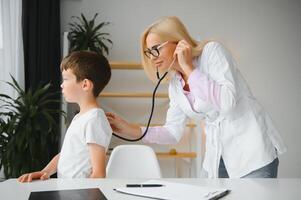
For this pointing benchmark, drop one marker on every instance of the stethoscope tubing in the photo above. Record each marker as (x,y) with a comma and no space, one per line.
(152,109)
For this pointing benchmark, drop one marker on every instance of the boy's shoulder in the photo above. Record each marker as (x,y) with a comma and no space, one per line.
(95,113)
(93,119)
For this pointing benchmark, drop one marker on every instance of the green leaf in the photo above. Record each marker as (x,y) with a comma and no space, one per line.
(26,125)
(15,85)
(85,35)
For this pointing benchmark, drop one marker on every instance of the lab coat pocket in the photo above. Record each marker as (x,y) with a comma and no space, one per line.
(239,126)
(245,132)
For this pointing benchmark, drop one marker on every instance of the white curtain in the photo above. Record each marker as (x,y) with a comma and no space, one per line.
(11,45)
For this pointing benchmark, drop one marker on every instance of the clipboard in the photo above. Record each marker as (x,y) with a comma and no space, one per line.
(74,194)
(175,191)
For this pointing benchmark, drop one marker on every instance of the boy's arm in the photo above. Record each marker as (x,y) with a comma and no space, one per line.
(98,160)
(44,173)
(52,165)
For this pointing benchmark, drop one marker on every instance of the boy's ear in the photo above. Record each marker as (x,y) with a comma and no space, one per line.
(87,85)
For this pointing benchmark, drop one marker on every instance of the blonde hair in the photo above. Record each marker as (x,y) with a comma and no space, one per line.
(168,28)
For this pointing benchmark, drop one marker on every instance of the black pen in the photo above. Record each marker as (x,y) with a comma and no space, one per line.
(220,195)
(144,185)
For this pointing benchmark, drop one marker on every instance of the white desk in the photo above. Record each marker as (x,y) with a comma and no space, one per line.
(241,188)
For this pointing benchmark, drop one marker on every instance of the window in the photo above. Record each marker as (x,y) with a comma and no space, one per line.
(1,34)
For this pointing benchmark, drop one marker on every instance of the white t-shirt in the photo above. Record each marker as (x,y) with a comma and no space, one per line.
(89,127)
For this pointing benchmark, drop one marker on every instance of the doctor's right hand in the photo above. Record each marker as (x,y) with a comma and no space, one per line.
(42,175)
(122,127)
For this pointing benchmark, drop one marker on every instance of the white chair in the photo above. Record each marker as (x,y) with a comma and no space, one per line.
(133,161)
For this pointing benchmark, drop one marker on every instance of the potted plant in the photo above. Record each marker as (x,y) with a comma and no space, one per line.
(27,126)
(86,35)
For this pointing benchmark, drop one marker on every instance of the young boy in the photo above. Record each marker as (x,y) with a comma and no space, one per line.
(83,153)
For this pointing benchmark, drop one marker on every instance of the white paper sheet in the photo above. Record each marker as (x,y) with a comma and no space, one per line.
(174,191)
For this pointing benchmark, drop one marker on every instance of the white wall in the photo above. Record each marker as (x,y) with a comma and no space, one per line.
(263,35)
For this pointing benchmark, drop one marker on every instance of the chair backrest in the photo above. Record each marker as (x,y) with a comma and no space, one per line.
(133,161)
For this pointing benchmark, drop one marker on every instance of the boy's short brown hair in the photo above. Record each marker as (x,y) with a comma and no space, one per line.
(88,65)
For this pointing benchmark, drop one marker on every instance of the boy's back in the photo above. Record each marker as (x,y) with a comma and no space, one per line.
(89,127)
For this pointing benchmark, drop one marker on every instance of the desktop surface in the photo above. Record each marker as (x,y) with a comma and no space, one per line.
(240,188)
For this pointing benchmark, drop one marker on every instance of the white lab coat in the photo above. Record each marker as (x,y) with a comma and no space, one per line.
(241,132)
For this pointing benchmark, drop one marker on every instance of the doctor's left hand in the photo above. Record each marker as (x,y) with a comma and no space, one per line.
(183,52)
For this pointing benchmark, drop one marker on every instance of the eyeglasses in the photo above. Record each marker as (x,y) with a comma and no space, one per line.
(154,51)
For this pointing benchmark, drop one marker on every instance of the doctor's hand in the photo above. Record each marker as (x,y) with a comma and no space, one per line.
(183,52)
(122,127)
(42,175)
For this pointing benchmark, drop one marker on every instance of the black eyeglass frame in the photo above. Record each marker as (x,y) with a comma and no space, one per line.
(154,51)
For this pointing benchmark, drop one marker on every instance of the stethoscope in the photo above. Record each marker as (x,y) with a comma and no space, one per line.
(153,105)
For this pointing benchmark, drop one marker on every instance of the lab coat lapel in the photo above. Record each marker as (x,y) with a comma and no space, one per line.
(182,99)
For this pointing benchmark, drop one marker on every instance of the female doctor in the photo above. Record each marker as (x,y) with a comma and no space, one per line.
(241,140)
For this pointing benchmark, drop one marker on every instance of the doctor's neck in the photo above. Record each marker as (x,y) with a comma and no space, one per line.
(185,78)
(183,75)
